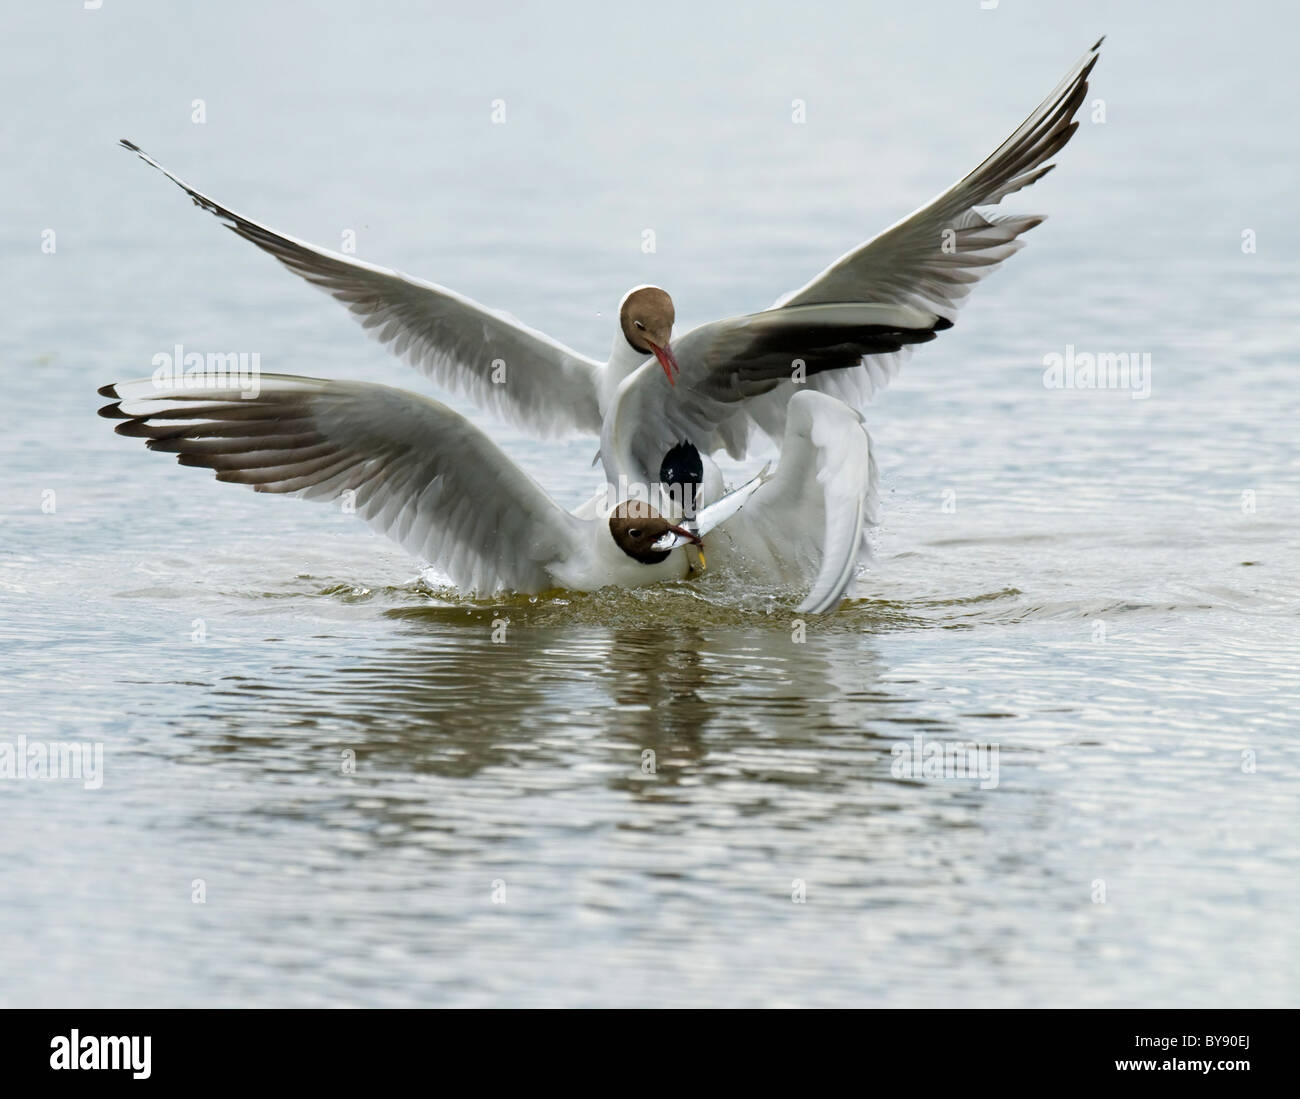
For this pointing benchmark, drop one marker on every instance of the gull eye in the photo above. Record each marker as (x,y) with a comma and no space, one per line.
(638,326)
(634,533)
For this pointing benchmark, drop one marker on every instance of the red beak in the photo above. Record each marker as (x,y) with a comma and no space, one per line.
(667,360)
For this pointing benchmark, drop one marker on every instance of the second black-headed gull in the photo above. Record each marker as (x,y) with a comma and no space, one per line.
(431,481)
(845,332)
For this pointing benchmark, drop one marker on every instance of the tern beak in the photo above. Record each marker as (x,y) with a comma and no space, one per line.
(666,359)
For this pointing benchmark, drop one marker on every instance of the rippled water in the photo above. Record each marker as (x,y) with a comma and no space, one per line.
(1104,588)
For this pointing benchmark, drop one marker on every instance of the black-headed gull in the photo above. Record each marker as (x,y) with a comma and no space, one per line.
(844,333)
(434,483)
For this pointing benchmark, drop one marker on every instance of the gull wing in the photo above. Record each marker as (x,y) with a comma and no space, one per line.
(727,364)
(930,260)
(416,471)
(808,519)
(915,262)
(548,389)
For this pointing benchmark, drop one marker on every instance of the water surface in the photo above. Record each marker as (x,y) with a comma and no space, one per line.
(1104,588)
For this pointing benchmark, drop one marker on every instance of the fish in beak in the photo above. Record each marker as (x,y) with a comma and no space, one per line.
(676,536)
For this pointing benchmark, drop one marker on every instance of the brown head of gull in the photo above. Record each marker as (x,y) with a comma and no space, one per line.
(645,535)
(646,317)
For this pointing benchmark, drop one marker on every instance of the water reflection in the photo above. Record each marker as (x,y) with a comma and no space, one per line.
(449,701)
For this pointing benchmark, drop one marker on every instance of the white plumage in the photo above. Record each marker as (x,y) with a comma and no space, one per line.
(840,324)
(427,478)
(798,372)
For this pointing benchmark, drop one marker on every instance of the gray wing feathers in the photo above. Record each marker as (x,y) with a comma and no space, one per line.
(516,372)
(413,469)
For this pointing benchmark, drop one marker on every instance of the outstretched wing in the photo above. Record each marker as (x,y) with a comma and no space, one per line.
(805,524)
(726,366)
(932,258)
(516,372)
(412,468)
